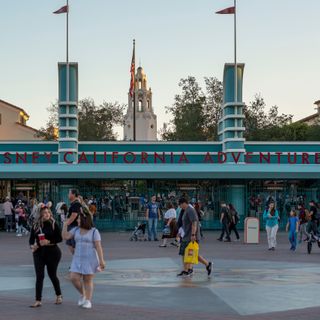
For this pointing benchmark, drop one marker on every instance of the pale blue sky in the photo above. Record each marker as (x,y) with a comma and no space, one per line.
(278,41)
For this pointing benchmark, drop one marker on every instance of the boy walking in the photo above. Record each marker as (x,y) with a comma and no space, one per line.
(293,228)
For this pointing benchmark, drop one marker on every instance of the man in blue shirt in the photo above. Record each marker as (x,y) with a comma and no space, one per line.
(153,215)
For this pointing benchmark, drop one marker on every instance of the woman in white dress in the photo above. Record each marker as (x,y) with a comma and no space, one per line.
(87,259)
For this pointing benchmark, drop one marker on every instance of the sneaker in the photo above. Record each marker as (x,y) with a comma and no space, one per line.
(219,239)
(19,235)
(273,248)
(182,274)
(227,240)
(190,273)
(87,304)
(175,243)
(209,268)
(81,301)
(237,240)
(162,246)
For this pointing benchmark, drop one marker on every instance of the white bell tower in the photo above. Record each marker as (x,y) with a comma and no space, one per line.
(146,120)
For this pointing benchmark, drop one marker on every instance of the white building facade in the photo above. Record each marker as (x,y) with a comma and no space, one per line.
(146,120)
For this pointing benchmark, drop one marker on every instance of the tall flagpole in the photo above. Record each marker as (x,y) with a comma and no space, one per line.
(134,91)
(67,52)
(67,35)
(235,53)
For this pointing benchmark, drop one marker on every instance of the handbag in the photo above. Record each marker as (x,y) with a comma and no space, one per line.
(191,253)
(166,231)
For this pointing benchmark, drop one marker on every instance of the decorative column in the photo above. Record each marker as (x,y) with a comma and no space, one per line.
(68,113)
(237,196)
(231,126)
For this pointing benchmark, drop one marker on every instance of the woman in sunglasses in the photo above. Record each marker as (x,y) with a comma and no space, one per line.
(87,259)
(44,237)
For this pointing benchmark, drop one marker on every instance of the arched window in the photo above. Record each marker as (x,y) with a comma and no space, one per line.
(148,102)
(140,84)
(140,106)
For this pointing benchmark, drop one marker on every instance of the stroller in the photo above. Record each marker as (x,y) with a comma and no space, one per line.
(139,232)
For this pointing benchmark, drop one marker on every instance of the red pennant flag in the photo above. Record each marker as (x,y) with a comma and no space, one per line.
(231,10)
(132,72)
(63,9)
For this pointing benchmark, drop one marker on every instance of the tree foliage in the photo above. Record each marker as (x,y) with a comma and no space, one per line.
(188,113)
(195,116)
(213,107)
(195,113)
(49,131)
(261,124)
(96,122)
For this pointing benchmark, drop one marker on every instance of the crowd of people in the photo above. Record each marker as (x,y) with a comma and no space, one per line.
(74,223)
(301,221)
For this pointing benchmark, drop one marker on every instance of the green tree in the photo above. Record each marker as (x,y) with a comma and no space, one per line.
(188,111)
(212,107)
(189,121)
(96,122)
(49,131)
(262,125)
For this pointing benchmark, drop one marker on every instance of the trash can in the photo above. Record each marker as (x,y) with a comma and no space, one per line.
(251,230)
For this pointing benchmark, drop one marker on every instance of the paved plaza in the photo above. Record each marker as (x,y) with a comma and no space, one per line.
(140,282)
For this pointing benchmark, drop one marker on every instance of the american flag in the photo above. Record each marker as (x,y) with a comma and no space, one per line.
(132,71)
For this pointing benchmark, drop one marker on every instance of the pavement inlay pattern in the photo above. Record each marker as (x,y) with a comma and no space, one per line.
(246,284)
(245,287)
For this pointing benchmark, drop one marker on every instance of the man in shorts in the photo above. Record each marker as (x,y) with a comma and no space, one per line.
(190,225)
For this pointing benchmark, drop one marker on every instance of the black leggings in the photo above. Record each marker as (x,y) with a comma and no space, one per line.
(233,227)
(50,257)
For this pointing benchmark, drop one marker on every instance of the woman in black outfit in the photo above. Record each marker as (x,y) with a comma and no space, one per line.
(46,253)
(234,221)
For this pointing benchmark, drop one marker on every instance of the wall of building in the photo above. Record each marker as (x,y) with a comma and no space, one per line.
(10,129)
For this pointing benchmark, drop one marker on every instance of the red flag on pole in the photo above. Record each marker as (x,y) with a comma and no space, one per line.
(63,9)
(132,71)
(231,10)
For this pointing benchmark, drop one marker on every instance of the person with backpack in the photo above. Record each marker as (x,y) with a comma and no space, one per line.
(225,220)
(303,221)
(234,221)
(314,219)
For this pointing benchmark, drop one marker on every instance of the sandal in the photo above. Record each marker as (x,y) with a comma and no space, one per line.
(37,304)
(58,300)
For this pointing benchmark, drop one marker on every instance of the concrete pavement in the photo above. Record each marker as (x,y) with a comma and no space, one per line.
(140,281)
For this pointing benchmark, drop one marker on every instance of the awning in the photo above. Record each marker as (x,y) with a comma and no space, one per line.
(159,171)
